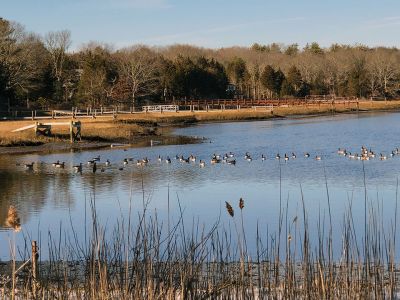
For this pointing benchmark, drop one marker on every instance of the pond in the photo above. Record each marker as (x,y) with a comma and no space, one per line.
(51,199)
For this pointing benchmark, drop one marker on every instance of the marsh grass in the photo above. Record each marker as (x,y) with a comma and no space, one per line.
(141,257)
(144,257)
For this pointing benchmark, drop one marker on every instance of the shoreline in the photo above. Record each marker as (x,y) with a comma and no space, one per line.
(129,131)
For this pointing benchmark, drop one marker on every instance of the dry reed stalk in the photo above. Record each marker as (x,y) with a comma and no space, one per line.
(229,209)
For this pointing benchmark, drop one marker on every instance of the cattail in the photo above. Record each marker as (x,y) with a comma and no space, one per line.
(13,221)
(289,237)
(241,203)
(229,209)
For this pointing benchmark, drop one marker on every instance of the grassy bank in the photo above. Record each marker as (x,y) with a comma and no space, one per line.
(136,128)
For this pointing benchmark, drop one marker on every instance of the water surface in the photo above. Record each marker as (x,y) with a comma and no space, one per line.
(49,199)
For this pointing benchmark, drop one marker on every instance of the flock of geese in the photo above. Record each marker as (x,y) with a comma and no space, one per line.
(228,158)
(366,154)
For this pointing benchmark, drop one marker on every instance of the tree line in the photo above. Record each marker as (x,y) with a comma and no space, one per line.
(42,72)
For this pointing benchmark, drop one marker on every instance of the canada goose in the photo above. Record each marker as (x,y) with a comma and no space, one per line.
(278,156)
(318,157)
(130,158)
(54,164)
(168,160)
(125,161)
(247,155)
(94,169)
(97,158)
(192,158)
(341,151)
(306,155)
(108,163)
(351,156)
(145,160)
(231,154)
(78,168)
(29,166)
(176,156)
(263,157)
(60,165)
(232,162)
(215,160)
(286,157)
(202,164)
(249,158)
(139,163)
(90,162)
(382,157)
(293,155)
(159,158)
(121,168)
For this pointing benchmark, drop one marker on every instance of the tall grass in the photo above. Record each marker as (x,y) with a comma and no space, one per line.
(142,258)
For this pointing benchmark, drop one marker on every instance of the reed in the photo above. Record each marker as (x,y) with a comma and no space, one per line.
(142,258)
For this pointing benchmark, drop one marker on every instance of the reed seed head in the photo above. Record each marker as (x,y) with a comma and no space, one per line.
(13,221)
(289,237)
(241,203)
(229,209)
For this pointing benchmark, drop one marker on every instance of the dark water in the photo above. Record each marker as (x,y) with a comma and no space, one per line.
(49,198)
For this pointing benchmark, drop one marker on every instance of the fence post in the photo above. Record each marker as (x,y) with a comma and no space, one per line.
(33,117)
(35,256)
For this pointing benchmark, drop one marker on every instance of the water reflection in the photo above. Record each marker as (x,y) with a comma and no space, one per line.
(47,197)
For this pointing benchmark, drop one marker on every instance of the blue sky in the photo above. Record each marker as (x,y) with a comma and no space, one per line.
(212,23)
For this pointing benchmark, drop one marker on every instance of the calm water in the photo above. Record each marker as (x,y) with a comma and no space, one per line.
(49,198)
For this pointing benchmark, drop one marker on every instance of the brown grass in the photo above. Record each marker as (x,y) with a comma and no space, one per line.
(127,127)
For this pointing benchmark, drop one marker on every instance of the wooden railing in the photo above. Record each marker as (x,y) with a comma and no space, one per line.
(160,108)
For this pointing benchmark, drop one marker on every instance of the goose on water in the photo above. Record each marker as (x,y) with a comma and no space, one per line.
(55,163)
(202,164)
(29,166)
(78,168)
(60,165)
(232,162)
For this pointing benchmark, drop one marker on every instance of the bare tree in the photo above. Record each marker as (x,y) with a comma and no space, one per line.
(22,57)
(138,69)
(57,44)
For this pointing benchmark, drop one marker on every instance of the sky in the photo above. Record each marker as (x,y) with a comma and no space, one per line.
(212,23)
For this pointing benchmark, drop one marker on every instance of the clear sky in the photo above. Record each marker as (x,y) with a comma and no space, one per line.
(212,23)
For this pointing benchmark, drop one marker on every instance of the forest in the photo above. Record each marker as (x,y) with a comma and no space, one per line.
(42,71)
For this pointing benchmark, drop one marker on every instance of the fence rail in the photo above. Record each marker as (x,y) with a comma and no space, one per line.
(160,108)
(177,105)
